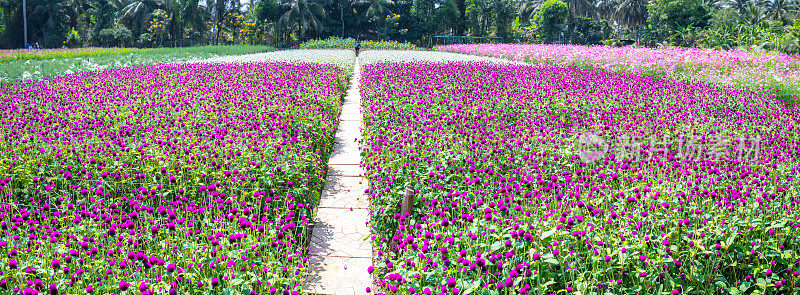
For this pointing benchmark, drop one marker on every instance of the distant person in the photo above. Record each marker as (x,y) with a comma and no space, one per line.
(37,46)
(358,46)
(29,46)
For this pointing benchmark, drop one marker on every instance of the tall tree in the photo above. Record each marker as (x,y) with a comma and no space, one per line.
(631,13)
(739,5)
(220,10)
(102,16)
(778,9)
(753,13)
(47,22)
(376,10)
(461,6)
(301,16)
(605,8)
(527,9)
(135,14)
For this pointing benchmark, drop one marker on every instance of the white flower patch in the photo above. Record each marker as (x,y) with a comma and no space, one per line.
(374,56)
(341,58)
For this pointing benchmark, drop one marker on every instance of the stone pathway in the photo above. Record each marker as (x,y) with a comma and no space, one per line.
(339,253)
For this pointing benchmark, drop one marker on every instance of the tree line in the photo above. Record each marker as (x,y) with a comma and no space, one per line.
(769,24)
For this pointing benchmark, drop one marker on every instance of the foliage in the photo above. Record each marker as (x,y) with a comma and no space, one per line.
(795,30)
(301,17)
(73,40)
(291,22)
(350,43)
(267,11)
(590,31)
(432,16)
(116,37)
(724,18)
(159,20)
(550,19)
(679,14)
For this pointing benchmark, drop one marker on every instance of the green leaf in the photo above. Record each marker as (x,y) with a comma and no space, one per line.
(548,233)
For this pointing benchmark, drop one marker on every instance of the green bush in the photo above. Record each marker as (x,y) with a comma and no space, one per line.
(116,37)
(350,43)
(549,20)
(679,14)
(589,31)
(795,30)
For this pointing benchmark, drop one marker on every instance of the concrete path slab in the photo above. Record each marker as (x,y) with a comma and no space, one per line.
(344,193)
(339,252)
(338,275)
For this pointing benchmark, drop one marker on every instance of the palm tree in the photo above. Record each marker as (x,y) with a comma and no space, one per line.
(712,3)
(778,9)
(753,14)
(739,5)
(76,12)
(605,8)
(185,14)
(632,13)
(377,9)
(48,16)
(102,16)
(342,4)
(301,15)
(527,9)
(220,9)
(580,8)
(135,12)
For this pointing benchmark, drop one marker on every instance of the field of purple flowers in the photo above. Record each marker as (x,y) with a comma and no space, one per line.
(182,178)
(557,180)
(775,73)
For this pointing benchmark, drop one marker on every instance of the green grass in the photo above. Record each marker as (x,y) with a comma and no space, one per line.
(25,70)
(25,54)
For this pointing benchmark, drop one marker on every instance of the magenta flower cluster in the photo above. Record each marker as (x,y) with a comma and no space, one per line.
(503,203)
(165,179)
(777,73)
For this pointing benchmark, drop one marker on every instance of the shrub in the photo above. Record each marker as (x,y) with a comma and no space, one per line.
(118,36)
(549,20)
(350,43)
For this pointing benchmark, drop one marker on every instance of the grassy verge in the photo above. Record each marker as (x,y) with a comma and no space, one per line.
(25,54)
(26,70)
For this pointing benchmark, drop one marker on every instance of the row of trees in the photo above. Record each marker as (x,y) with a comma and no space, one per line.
(72,23)
(713,23)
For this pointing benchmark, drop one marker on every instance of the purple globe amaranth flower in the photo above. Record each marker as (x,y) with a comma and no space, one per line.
(123,285)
